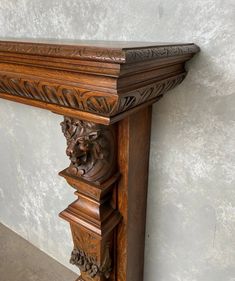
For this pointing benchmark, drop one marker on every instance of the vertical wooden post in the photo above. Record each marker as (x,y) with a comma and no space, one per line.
(133,160)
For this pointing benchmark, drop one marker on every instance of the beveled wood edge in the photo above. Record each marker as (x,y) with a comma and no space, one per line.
(87,226)
(106,69)
(97,53)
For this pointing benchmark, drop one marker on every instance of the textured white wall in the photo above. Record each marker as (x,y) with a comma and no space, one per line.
(191,205)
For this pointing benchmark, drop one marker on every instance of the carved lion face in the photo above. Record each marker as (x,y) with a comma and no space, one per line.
(91,149)
(84,146)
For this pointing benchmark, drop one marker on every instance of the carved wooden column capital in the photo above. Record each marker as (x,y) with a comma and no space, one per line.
(105,91)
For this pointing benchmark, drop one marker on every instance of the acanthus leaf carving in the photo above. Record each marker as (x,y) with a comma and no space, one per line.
(89,265)
(64,95)
(148,93)
(84,100)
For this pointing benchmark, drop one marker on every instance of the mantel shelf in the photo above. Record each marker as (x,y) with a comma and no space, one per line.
(105,91)
(93,80)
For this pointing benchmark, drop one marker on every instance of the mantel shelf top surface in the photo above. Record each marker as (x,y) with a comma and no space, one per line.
(101,81)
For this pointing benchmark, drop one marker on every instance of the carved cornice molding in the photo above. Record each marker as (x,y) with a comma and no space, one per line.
(159,52)
(148,93)
(104,104)
(93,81)
(99,53)
(73,52)
(59,94)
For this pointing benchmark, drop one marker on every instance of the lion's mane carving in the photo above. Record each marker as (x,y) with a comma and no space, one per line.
(90,148)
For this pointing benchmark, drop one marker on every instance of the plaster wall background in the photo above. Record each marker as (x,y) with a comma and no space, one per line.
(191,203)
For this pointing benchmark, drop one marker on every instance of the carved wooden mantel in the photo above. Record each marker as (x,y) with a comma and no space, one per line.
(105,91)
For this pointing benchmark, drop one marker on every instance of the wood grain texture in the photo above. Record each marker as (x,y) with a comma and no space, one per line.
(133,158)
(93,219)
(89,261)
(113,51)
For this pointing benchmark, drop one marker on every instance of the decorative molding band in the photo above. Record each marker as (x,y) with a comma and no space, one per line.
(147,93)
(159,52)
(113,55)
(65,51)
(64,95)
(104,104)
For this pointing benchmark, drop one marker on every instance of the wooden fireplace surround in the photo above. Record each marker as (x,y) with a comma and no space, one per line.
(105,90)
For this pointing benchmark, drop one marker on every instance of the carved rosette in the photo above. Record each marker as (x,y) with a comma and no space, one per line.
(90,148)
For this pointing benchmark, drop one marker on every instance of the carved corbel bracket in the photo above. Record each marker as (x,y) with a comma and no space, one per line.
(93,216)
(105,91)
(91,149)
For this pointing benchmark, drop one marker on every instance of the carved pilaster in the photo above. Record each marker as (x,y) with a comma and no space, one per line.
(93,216)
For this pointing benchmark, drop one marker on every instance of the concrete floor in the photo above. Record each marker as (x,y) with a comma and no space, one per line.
(21,261)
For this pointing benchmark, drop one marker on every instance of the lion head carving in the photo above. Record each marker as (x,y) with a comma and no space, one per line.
(90,148)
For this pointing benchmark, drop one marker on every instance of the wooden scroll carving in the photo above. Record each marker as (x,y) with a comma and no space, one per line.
(105,90)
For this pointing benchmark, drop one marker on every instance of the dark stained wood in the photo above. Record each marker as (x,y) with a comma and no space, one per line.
(105,90)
